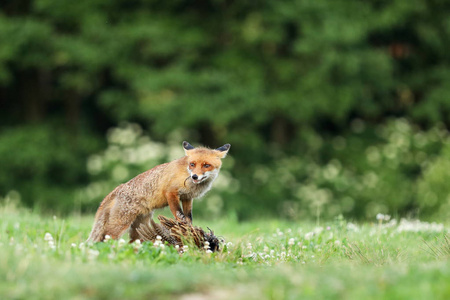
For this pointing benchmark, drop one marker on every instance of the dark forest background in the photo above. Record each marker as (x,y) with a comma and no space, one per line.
(331,107)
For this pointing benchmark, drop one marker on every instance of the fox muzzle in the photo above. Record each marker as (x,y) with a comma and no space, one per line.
(198,178)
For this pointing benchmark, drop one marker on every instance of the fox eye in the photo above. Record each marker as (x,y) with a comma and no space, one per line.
(192,164)
(206,165)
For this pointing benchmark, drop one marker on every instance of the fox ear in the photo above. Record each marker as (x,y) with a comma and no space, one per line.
(223,151)
(187,147)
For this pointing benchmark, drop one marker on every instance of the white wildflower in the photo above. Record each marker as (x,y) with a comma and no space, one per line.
(73,245)
(291,242)
(418,226)
(122,242)
(48,237)
(309,235)
(380,217)
(107,238)
(137,244)
(51,244)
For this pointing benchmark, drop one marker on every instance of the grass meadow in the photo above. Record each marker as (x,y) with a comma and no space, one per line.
(44,257)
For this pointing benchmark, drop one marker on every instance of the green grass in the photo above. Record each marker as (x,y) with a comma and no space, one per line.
(269,259)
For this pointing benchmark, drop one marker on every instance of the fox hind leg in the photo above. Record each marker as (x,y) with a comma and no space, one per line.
(113,220)
(118,223)
(136,223)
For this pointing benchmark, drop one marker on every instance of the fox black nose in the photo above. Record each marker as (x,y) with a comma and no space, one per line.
(195,177)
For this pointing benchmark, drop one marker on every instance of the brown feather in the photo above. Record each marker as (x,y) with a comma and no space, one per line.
(178,232)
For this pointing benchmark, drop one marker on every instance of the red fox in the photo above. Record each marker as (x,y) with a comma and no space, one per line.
(181,180)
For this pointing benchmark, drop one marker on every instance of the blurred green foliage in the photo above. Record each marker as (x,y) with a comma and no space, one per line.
(330,106)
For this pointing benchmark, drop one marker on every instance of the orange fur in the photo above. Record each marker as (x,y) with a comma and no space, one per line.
(181,180)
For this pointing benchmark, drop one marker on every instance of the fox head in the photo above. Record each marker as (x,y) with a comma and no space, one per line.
(203,163)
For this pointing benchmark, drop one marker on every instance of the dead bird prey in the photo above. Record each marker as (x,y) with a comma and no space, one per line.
(178,232)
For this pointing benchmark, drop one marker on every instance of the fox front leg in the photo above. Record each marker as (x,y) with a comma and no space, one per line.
(187,208)
(174,204)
